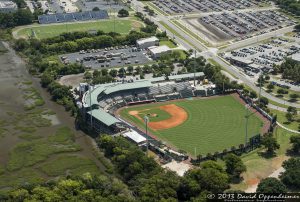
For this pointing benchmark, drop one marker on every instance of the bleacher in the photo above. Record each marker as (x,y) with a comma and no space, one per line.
(153,90)
(174,96)
(72,17)
(165,89)
(161,98)
(186,93)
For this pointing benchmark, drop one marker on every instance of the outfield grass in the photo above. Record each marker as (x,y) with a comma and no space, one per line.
(121,26)
(213,125)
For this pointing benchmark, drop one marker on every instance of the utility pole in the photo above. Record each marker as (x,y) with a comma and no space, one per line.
(90,92)
(195,70)
(146,119)
(260,83)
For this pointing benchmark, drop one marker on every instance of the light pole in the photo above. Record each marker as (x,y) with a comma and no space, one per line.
(195,70)
(146,120)
(247,118)
(90,92)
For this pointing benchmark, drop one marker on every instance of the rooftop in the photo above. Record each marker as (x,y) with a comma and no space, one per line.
(134,136)
(159,49)
(145,40)
(104,117)
(7,4)
(296,57)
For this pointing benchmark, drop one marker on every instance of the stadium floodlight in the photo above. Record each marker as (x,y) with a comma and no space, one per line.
(146,119)
(90,92)
(247,106)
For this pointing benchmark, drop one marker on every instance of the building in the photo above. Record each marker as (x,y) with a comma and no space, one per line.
(8,7)
(147,42)
(135,137)
(156,51)
(296,57)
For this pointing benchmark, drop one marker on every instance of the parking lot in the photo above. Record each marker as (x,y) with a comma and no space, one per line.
(263,56)
(191,6)
(237,25)
(108,57)
(86,5)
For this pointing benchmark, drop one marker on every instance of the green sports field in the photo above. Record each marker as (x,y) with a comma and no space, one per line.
(46,31)
(212,125)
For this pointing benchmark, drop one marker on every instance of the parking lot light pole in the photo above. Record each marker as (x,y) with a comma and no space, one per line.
(195,69)
(146,120)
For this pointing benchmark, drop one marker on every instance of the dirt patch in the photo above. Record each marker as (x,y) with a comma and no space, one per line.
(253,181)
(178,116)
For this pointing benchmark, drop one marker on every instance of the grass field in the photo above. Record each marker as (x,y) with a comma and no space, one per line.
(121,26)
(213,124)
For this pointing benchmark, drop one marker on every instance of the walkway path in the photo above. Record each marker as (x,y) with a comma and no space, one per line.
(276,173)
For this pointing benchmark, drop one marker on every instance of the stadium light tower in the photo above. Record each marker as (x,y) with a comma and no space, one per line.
(247,106)
(90,92)
(146,120)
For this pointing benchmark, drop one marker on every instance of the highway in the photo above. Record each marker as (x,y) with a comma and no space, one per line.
(211,53)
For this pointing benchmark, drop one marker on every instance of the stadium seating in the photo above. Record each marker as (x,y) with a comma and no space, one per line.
(71,17)
(153,90)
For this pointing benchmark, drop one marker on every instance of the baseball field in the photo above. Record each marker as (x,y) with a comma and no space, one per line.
(197,126)
(46,31)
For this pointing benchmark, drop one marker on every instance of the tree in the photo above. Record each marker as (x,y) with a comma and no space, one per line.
(271,185)
(123,13)
(295,141)
(253,95)
(291,176)
(292,110)
(270,87)
(130,69)
(294,97)
(210,178)
(270,143)
(289,116)
(96,9)
(113,72)
(234,165)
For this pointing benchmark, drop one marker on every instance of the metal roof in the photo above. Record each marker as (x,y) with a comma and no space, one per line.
(135,136)
(104,117)
(184,76)
(128,86)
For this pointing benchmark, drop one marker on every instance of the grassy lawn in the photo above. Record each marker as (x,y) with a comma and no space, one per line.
(217,121)
(285,96)
(121,26)
(155,114)
(175,33)
(168,43)
(282,119)
(258,166)
(178,24)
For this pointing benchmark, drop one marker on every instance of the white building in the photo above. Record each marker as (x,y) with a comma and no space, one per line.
(8,7)
(296,57)
(156,51)
(135,137)
(147,42)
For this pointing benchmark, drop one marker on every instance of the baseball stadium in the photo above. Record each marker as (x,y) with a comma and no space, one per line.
(182,113)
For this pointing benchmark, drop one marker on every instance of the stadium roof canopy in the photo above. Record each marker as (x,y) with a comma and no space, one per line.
(104,117)
(135,136)
(92,98)
(185,76)
(128,86)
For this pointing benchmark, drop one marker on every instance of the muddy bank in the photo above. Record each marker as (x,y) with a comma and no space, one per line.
(15,119)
